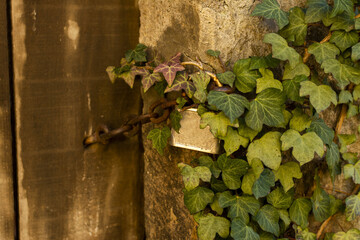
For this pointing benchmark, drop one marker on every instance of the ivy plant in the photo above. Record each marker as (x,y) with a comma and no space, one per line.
(267,111)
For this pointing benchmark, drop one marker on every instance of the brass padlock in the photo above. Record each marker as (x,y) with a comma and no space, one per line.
(191,136)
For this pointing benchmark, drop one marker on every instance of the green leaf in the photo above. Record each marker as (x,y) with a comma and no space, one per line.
(281,50)
(197,199)
(263,62)
(299,69)
(206,161)
(182,82)
(175,118)
(286,173)
(245,131)
(213,53)
(239,206)
(352,234)
(279,199)
(267,236)
(317,10)
(232,170)
(267,81)
(240,231)
(210,225)
(251,176)
(266,108)
(333,160)
(320,96)
(355,52)
(345,97)
(320,204)
(341,6)
(191,176)
(323,51)
(215,206)
(138,54)
(345,140)
(352,210)
(227,78)
(149,80)
(128,77)
(303,146)
(180,102)
(300,121)
(233,140)
(245,78)
(356,92)
(352,171)
(352,110)
(218,185)
(343,22)
(322,130)
(344,74)
(218,123)
(343,40)
(299,211)
(268,219)
(305,234)
(350,157)
(200,80)
(271,9)
(335,205)
(159,138)
(297,29)
(263,184)
(267,149)
(233,105)
(292,87)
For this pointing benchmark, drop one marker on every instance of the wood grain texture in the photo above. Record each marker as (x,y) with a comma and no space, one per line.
(61,50)
(7,219)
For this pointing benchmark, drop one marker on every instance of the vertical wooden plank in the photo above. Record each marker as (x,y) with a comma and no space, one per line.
(61,50)
(7,219)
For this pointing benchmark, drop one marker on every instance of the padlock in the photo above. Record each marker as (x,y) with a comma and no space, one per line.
(191,136)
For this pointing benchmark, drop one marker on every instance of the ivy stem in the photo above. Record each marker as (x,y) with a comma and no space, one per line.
(307,54)
(199,66)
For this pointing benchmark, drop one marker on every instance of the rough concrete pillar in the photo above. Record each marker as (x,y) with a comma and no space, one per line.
(190,26)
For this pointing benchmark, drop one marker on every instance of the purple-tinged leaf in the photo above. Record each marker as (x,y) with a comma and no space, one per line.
(169,71)
(149,80)
(128,77)
(139,71)
(175,59)
(181,82)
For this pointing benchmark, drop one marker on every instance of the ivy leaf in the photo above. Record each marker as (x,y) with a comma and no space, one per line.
(128,77)
(233,105)
(175,118)
(344,74)
(227,78)
(352,110)
(218,185)
(345,97)
(333,160)
(356,93)
(150,79)
(201,80)
(245,78)
(159,138)
(292,87)
(344,39)
(343,22)
(320,96)
(284,216)
(297,29)
(213,53)
(341,6)
(281,50)
(206,161)
(232,170)
(266,236)
(352,171)
(239,230)
(279,199)
(268,219)
(266,108)
(305,234)
(245,131)
(322,130)
(263,62)
(267,81)
(218,123)
(320,203)
(271,9)
(352,210)
(263,184)
(197,199)
(286,173)
(233,140)
(299,211)
(303,146)
(355,52)
(323,51)
(251,176)
(317,10)
(267,149)
(210,225)
(352,234)
(170,68)
(138,54)
(299,69)
(215,206)
(181,82)
(345,140)
(300,121)
(192,176)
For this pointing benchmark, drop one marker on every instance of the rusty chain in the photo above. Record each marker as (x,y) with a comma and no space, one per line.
(131,127)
